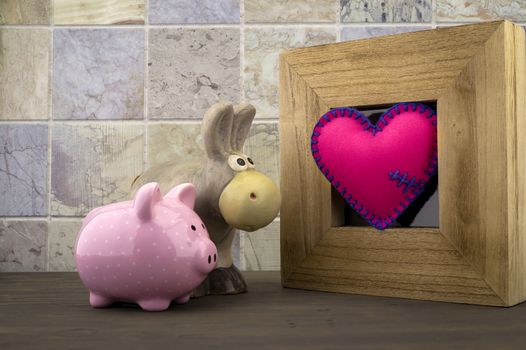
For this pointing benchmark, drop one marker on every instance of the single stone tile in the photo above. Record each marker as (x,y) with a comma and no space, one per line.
(24,73)
(98,12)
(176,141)
(191,11)
(290,11)
(262,147)
(376,11)
(24,11)
(98,74)
(23,169)
(354,33)
(262,48)
(23,245)
(260,250)
(190,70)
(93,164)
(477,10)
(61,244)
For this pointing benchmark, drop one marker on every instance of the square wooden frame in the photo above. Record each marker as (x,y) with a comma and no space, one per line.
(476,73)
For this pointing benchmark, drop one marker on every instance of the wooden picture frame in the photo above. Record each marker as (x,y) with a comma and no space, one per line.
(476,74)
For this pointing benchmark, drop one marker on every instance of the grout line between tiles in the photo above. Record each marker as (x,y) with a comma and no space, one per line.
(49,123)
(242,53)
(145,83)
(338,21)
(433,13)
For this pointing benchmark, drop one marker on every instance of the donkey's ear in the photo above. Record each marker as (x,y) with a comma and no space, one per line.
(243,116)
(216,130)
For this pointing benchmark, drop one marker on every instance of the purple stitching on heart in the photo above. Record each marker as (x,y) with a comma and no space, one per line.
(402,180)
(432,168)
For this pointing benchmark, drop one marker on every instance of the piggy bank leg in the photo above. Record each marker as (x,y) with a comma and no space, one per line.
(97,300)
(154,304)
(183,299)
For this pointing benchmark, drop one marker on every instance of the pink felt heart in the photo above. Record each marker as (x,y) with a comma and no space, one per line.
(379,169)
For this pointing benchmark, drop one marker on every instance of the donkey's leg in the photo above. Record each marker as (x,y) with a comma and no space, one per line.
(226,278)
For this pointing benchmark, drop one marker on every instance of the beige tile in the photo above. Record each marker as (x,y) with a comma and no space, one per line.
(93,164)
(182,141)
(262,48)
(170,141)
(290,11)
(61,244)
(24,73)
(24,11)
(98,12)
(23,245)
(262,147)
(260,250)
(477,10)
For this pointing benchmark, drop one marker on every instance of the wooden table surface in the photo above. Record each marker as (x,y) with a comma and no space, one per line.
(51,311)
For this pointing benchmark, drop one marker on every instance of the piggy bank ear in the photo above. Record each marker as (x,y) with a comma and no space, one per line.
(185,193)
(145,198)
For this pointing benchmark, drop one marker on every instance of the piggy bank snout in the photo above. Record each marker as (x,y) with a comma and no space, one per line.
(207,257)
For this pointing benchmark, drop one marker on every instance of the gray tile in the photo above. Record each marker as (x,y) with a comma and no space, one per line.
(480,10)
(290,11)
(24,11)
(262,48)
(23,246)
(93,164)
(354,33)
(23,169)
(98,74)
(191,11)
(61,242)
(191,69)
(24,73)
(377,11)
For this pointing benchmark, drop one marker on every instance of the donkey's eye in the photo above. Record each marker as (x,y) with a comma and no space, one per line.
(237,162)
(250,160)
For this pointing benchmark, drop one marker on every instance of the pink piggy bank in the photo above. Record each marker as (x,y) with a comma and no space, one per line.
(149,251)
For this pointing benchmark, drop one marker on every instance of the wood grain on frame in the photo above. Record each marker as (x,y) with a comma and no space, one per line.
(476,73)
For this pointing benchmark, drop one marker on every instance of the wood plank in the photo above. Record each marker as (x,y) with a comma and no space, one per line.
(302,220)
(415,66)
(50,311)
(402,262)
(516,144)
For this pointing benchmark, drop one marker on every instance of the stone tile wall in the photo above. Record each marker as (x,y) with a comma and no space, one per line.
(93,92)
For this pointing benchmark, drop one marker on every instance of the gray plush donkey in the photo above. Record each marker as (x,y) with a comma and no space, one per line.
(231,194)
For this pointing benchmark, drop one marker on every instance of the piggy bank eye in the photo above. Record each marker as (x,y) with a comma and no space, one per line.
(203,226)
(237,163)
(192,227)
